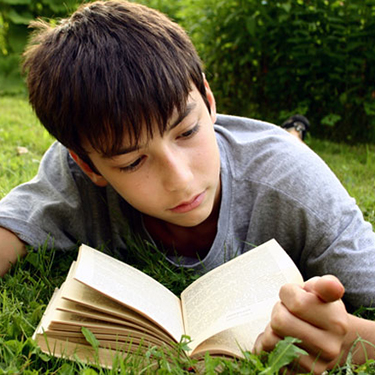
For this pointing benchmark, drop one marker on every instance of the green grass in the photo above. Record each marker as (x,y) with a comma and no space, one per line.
(19,128)
(355,168)
(25,291)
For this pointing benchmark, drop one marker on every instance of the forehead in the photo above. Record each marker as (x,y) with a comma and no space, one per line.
(132,141)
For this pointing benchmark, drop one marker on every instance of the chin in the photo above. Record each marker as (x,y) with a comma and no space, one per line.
(193,221)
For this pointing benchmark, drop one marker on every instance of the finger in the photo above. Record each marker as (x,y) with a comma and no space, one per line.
(328,288)
(266,341)
(315,340)
(304,363)
(309,307)
(310,364)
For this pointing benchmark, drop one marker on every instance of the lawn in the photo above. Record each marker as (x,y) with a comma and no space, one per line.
(25,291)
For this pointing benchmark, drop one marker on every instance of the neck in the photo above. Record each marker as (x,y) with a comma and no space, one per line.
(194,242)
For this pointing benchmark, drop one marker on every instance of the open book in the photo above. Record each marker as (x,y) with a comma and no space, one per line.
(222,312)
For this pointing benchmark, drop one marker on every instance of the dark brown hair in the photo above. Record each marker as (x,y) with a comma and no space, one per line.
(112,69)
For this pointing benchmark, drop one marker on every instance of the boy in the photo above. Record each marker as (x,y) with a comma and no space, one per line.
(142,151)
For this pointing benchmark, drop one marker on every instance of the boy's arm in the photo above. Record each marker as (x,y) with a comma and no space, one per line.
(11,247)
(315,314)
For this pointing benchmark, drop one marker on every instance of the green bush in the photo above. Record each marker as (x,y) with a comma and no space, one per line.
(270,59)
(15,16)
(168,7)
(11,82)
(264,59)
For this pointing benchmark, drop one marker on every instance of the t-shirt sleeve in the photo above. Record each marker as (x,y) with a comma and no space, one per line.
(327,234)
(347,250)
(281,189)
(337,239)
(312,215)
(47,209)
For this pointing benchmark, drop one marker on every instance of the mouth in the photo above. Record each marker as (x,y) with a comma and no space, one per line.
(189,205)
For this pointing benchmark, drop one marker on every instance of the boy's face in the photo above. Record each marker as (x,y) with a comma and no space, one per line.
(174,177)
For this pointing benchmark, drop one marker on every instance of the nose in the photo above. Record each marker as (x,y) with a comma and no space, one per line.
(175,167)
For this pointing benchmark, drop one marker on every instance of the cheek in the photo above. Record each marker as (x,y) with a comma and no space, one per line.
(139,192)
(209,155)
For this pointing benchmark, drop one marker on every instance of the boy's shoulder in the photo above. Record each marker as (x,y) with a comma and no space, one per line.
(264,158)
(59,167)
(246,124)
(250,141)
(259,137)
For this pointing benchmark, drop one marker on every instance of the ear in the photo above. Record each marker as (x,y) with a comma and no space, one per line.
(211,99)
(96,178)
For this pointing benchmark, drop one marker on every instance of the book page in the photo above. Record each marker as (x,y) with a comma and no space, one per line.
(73,336)
(68,322)
(131,287)
(74,291)
(79,310)
(233,341)
(86,353)
(240,291)
(48,313)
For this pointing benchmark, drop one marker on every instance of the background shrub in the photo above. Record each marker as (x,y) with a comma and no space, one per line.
(15,16)
(270,59)
(264,59)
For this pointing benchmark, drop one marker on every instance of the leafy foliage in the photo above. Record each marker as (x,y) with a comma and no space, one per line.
(284,353)
(271,59)
(264,59)
(171,8)
(15,16)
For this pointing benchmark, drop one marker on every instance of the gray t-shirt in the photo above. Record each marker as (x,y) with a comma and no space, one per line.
(272,187)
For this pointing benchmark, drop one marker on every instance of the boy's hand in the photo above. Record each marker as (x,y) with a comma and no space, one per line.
(313,313)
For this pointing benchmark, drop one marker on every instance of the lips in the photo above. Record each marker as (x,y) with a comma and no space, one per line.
(190,205)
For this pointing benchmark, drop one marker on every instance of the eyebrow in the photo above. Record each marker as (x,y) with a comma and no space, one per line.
(183,115)
(189,108)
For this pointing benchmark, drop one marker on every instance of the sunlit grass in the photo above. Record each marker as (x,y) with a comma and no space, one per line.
(23,141)
(354,165)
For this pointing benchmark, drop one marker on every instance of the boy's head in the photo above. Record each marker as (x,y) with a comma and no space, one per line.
(112,70)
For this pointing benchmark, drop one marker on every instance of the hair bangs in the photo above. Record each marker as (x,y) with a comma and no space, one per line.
(113,72)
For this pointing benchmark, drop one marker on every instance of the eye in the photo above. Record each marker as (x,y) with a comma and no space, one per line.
(190,132)
(133,166)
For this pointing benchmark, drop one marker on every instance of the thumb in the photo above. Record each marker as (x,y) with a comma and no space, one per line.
(328,288)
